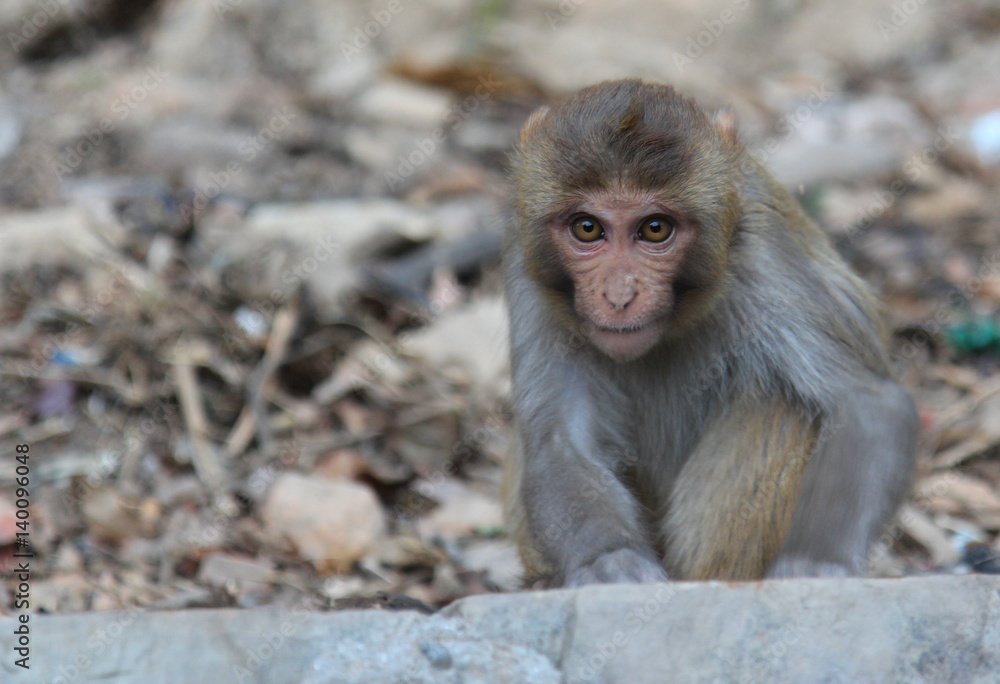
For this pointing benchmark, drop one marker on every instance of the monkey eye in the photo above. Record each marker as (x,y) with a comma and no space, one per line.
(587,229)
(656,229)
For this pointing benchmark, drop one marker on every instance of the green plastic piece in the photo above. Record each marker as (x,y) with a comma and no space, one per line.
(977,334)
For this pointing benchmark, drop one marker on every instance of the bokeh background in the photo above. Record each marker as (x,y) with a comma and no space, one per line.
(250,316)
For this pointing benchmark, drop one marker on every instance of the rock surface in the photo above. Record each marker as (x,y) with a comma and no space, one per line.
(930,629)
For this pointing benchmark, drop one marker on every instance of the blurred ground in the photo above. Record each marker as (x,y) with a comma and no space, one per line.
(243,242)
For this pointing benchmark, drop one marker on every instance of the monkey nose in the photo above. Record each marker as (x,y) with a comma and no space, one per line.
(620,297)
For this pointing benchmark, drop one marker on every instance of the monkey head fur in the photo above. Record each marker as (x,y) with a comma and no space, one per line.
(651,154)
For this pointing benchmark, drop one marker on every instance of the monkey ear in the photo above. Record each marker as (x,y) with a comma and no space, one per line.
(536,118)
(725,124)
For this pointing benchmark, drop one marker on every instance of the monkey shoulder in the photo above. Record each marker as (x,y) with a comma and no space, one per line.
(802,319)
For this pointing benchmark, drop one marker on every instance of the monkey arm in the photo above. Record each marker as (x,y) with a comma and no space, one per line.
(578,523)
(854,481)
(582,519)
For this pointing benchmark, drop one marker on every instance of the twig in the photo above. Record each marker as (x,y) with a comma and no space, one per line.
(963,451)
(977,444)
(206,462)
(920,527)
(241,434)
(253,415)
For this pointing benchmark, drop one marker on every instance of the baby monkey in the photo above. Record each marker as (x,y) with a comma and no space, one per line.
(701,385)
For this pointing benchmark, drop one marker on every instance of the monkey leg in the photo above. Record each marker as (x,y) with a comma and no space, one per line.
(854,482)
(732,504)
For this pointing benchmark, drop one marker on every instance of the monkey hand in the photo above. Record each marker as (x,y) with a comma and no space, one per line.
(799,566)
(621,565)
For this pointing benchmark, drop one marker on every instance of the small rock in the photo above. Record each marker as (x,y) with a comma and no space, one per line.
(350,229)
(402,103)
(63,235)
(437,654)
(844,140)
(341,464)
(321,245)
(191,38)
(8,521)
(335,588)
(484,136)
(63,592)
(337,79)
(68,559)
(376,149)
(111,515)
(218,569)
(331,523)
(473,339)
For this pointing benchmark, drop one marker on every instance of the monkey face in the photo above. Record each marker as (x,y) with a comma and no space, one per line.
(627,204)
(623,252)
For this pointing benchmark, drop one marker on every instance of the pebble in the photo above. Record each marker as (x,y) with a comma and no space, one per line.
(331,523)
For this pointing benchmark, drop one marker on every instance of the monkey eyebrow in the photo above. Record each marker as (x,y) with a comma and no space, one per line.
(652,202)
(564,213)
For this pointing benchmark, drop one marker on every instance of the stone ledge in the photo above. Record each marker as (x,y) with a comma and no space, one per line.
(929,629)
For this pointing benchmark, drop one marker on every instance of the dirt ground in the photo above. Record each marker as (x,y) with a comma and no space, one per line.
(250,319)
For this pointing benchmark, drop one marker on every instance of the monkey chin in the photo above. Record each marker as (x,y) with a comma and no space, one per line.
(624,344)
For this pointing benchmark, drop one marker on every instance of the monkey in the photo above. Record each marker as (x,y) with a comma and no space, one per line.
(701,386)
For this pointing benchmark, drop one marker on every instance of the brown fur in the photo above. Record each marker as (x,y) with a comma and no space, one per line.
(745,474)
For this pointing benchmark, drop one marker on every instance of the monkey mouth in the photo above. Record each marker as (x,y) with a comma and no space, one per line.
(624,342)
